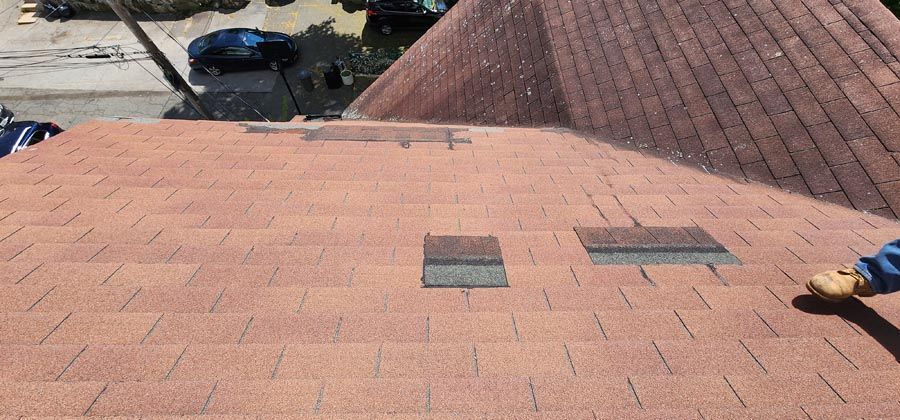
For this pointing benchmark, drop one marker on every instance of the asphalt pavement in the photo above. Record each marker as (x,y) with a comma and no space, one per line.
(47,75)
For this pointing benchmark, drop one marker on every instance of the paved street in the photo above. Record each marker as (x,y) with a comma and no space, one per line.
(50,54)
(70,107)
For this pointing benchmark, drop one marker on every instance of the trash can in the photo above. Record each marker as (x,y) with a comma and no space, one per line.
(333,78)
(66,11)
(306,81)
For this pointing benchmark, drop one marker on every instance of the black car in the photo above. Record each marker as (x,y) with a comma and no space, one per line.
(235,49)
(387,15)
(6,116)
(19,135)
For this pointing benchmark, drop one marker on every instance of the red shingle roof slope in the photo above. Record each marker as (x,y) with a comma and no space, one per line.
(804,95)
(176,268)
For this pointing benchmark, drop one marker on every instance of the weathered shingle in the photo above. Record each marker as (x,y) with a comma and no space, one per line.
(282,276)
(796,75)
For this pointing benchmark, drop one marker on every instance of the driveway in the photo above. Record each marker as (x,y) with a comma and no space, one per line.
(48,74)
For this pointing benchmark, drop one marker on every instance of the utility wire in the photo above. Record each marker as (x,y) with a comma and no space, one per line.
(117,55)
(174,92)
(51,60)
(15,4)
(227,88)
(222,110)
(45,51)
(17,67)
(61,54)
(106,34)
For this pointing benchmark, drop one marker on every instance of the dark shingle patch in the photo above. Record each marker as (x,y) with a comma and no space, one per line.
(653,245)
(386,134)
(463,261)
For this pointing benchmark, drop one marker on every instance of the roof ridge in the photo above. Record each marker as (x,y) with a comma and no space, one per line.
(883,24)
(804,95)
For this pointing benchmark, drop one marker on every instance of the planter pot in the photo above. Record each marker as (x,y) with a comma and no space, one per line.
(347,77)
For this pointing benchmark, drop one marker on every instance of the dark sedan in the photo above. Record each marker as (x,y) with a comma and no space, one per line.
(19,135)
(388,15)
(235,49)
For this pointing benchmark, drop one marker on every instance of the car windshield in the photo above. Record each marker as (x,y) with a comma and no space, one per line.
(251,38)
(204,41)
(434,5)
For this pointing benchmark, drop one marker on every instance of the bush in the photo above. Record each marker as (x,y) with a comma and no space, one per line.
(372,62)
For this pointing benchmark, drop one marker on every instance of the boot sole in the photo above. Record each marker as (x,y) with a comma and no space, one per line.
(820,296)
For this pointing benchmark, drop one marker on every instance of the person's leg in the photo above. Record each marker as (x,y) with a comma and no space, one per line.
(882,270)
(873,275)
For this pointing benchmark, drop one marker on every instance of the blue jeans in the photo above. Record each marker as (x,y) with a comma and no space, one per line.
(882,269)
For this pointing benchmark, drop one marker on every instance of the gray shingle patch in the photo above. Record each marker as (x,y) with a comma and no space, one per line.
(278,127)
(384,134)
(463,261)
(653,245)
(132,120)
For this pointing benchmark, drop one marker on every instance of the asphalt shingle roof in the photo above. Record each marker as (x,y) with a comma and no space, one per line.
(180,267)
(804,95)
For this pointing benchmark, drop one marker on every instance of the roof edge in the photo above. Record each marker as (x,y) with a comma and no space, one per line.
(880,21)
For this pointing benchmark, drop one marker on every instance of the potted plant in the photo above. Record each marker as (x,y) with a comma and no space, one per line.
(347,77)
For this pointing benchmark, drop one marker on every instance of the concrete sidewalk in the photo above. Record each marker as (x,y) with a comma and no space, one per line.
(83,88)
(72,107)
(105,30)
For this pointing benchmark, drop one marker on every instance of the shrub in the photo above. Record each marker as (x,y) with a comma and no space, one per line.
(373,62)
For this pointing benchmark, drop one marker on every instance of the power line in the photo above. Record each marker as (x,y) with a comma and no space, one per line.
(116,55)
(224,112)
(15,4)
(49,49)
(76,52)
(169,71)
(32,65)
(227,88)
(221,109)
(106,34)
(174,92)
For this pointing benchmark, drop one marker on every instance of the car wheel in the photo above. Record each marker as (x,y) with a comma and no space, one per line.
(213,70)
(273,65)
(386,29)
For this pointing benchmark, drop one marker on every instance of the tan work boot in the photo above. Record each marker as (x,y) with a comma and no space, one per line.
(835,286)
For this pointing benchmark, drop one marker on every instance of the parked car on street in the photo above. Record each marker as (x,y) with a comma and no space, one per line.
(388,15)
(6,116)
(20,135)
(235,49)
